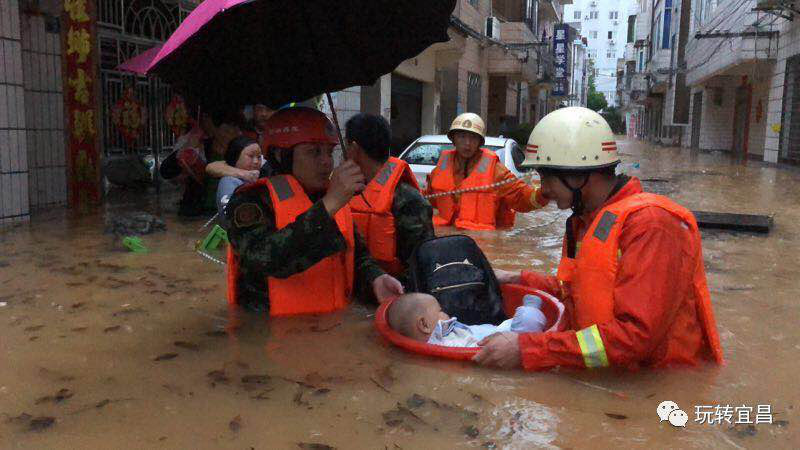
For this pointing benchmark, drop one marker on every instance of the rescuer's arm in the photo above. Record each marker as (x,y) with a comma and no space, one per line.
(219,169)
(365,268)
(655,270)
(517,195)
(282,253)
(413,220)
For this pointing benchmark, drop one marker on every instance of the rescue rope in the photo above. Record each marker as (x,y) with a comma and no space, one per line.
(479,188)
(210,258)
(209,222)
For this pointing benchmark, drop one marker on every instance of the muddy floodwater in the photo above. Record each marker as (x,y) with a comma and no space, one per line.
(105,348)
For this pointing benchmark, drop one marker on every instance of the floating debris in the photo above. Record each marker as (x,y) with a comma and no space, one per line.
(41,423)
(235,424)
(59,397)
(187,345)
(256,379)
(471,431)
(165,357)
(218,376)
(314,446)
(135,223)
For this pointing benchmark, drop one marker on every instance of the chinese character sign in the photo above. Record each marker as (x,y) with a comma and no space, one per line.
(82,146)
(560,59)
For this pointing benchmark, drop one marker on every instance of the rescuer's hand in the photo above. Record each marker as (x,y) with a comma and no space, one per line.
(538,199)
(247,175)
(346,181)
(504,276)
(500,350)
(386,287)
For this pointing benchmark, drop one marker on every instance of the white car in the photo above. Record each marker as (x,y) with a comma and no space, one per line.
(423,154)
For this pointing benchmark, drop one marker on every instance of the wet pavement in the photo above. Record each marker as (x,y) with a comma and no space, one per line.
(104,348)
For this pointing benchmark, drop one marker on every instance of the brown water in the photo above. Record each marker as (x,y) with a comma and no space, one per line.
(150,356)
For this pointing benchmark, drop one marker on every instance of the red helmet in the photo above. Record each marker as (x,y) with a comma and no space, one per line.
(291,126)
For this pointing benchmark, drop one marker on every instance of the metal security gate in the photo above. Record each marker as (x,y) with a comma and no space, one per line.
(790,127)
(125,29)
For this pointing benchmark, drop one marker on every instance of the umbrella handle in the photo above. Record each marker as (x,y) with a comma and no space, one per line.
(341,139)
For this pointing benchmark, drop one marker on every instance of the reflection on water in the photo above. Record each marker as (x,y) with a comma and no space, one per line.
(105,348)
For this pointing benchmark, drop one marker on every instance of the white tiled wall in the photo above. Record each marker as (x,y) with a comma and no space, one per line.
(44,106)
(347,103)
(14,205)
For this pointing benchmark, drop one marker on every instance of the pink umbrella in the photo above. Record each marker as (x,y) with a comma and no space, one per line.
(141,63)
(145,61)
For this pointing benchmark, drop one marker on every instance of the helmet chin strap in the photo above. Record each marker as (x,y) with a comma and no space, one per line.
(578,207)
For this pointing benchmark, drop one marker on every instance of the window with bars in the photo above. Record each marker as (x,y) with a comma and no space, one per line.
(613,15)
(577,15)
(473,93)
(593,14)
(593,34)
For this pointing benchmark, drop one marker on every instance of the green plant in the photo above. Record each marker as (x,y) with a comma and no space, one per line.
(614,119)
(595,100)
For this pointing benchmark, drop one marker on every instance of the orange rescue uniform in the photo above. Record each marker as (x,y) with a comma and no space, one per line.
(483,209)
(376,223)
(325,286)
(635,293)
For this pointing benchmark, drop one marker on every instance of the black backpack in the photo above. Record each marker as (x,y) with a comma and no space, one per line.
(455,271)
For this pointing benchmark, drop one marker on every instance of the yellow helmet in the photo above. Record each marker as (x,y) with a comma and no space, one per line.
(468,122)
(572,138)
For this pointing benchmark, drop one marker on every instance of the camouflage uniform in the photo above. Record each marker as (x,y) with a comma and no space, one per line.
(263,250)
(413,221)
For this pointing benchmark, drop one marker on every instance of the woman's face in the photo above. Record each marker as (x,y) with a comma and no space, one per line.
(250,158)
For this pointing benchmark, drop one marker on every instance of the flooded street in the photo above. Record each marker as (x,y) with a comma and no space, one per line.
(126,350)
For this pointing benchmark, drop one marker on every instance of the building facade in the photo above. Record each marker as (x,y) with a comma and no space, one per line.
(716,76)
(604,25)
(59,87)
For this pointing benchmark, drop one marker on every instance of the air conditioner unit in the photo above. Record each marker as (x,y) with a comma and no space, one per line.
(493,28)
(593,4)
(616,23)
(612,43)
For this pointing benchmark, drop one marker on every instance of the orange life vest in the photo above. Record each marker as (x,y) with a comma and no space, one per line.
(322,288)
(477,210)
(589,279)
(376,224)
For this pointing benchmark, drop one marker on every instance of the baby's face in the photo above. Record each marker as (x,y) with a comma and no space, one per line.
(432,313)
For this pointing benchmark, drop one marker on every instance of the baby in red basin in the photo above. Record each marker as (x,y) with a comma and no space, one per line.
(420,317)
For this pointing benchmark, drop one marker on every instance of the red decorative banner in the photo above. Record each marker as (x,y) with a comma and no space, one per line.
(78,40)
(128,116)
(177,116)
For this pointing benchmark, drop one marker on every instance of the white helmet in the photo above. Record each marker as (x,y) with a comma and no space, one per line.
(468,122)
(573,139)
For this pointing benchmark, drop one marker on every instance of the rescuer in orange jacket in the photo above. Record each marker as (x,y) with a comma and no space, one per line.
(294,245)
(470,166)
(391,214)
(631,273)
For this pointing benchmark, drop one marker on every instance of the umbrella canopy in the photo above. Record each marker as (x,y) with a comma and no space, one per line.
(227,53)
(141,63)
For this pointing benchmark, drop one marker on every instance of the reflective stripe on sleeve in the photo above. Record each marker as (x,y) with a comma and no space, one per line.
(592,348)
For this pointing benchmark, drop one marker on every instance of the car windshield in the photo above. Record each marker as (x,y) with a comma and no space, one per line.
(428,153)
